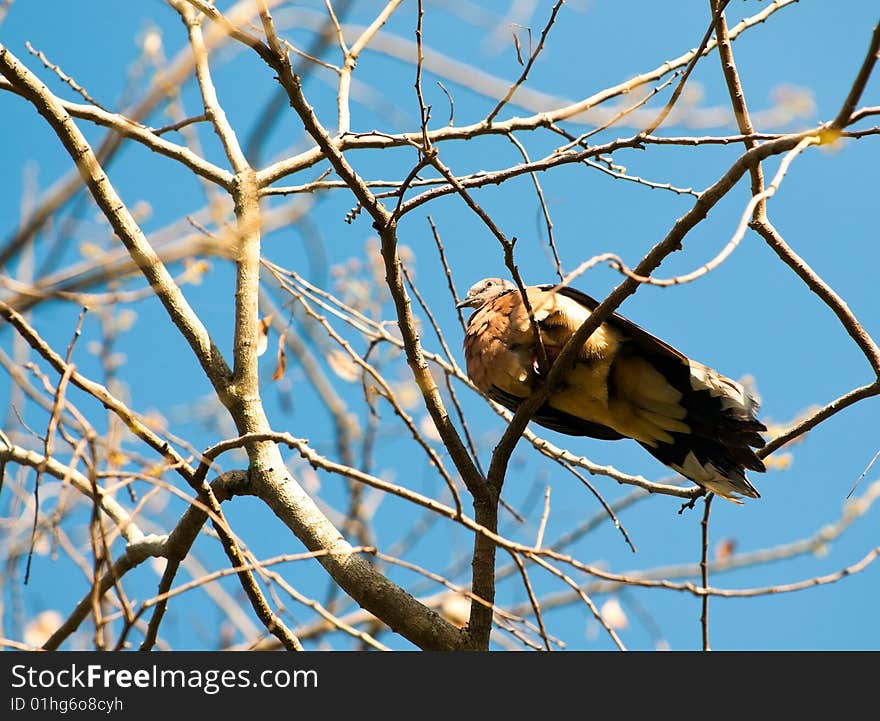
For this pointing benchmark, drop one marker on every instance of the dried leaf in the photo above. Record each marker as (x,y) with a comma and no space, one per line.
(281,364)
(725,549)
(516,44)
(263,331)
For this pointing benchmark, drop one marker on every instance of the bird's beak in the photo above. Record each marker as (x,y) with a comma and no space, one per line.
(465,302)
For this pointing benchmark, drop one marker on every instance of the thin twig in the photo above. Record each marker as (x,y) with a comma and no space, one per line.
(676,94)
(532,598)
(424,111)
(704,569)
(525,73)
(610,511)
(539,539)
(64,77)
(551,241)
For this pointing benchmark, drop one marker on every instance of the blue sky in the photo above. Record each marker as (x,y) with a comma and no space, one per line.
(752,316)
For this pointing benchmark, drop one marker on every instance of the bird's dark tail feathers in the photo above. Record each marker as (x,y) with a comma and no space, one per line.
(719,448)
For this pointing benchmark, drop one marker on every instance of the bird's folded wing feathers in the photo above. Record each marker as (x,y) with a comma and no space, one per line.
(702,389)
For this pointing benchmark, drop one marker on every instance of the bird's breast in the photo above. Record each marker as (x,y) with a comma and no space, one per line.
(499,354)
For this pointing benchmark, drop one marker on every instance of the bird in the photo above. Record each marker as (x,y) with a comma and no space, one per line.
(623,383)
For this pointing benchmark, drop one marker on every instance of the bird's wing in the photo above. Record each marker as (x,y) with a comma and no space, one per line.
(704,389)
(687,415)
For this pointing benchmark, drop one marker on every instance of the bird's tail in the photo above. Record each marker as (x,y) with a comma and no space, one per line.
(716,466)
(724,432)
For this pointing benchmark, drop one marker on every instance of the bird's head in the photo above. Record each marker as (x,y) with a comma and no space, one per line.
(485,291)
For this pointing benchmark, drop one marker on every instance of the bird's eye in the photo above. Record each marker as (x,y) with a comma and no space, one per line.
(489,282)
